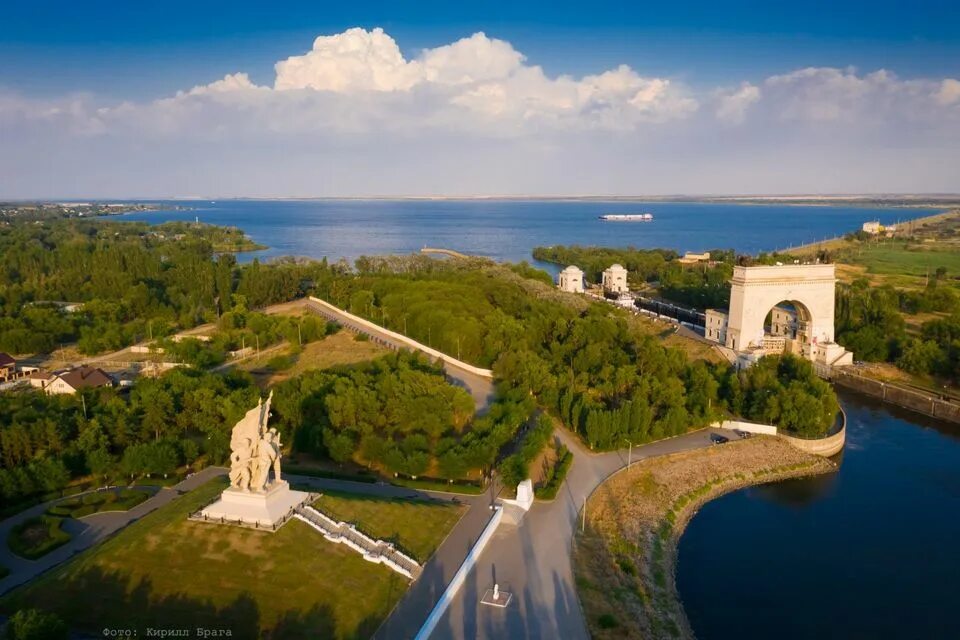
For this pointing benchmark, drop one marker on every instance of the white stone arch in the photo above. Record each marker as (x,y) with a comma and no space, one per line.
(755,291)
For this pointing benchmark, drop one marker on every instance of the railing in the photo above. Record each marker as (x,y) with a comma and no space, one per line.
(376,551)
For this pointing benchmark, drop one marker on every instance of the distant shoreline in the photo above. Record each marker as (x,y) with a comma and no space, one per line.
(944,201)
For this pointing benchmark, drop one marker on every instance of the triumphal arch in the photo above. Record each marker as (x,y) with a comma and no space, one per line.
(782,308)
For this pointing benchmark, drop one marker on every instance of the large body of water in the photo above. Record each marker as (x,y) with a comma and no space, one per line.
(508,230)
(872,551)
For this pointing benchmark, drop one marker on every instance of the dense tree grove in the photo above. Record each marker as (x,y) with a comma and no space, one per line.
(163,423)
(870,323)
(585,363)
(397,413)
(134,281)
(784,391)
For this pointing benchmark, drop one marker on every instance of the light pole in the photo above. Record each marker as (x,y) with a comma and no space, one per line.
(629,452)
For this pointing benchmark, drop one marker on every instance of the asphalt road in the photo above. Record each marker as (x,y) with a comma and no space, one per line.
(533,561)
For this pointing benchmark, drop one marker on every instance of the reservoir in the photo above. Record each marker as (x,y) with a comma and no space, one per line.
(872,551)
(509,229)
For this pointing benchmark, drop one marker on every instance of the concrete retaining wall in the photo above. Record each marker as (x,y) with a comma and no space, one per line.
(431,623)
(399,337)
(914,400)
(826,447)
(749,427)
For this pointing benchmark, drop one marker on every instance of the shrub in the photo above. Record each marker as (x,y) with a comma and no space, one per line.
(37,537)
(608,621)
(34,624)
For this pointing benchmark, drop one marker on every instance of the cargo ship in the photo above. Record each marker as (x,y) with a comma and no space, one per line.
(627,217)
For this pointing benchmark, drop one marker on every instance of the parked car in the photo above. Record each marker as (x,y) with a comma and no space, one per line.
(716,438)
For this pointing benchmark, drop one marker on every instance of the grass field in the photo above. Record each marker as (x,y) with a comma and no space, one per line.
(340,348)
(165,572)
(411,525)
(900,259)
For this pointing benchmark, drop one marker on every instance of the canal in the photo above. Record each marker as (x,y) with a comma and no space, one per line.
(872,551)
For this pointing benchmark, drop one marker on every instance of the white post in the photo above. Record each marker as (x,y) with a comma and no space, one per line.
(583,522)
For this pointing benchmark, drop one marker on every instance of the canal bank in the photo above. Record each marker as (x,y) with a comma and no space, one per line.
(867,552)
(624,558)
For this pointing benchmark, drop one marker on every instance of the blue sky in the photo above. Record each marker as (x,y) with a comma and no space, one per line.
(148,49)
(388,98)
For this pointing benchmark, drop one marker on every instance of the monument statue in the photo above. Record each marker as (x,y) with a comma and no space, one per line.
(257,494)
(255,450)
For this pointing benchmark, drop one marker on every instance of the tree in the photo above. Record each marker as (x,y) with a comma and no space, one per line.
(35,624)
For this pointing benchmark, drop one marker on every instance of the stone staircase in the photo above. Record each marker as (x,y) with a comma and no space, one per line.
(376,551)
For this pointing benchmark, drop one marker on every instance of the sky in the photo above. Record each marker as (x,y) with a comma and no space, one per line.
(310,99)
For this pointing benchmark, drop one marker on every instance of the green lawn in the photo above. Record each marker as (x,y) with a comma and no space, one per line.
(896,260)
(37,537)
(417,527)
(167,572)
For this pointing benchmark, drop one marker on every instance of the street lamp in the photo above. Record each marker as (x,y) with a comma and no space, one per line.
(629,452)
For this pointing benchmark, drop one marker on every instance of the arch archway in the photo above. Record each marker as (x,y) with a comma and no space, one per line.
(755,291)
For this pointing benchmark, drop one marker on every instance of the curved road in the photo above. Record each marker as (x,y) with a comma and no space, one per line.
(86,532)
(533,561)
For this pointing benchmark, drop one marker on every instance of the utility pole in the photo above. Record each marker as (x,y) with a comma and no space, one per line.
(84,401)
(629,453)
(583,522)
(299,336)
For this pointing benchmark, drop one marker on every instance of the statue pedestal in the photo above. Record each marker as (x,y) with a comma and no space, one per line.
(255,509)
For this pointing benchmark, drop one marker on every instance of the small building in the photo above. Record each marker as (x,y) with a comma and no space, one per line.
(8,366)
(693,258)
(873,227)
(85,377)
(783,322)
(716,326)
(570,280)
(40,379)
(615,279)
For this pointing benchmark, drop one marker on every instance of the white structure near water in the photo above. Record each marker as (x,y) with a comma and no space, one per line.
(571,280)
(615,279)
(798,298)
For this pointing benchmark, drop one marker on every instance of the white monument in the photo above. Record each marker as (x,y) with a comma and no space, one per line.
(615,279)
(756,291)
(255,498)
(571,279)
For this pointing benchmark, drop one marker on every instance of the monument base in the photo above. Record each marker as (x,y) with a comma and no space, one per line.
(267,509)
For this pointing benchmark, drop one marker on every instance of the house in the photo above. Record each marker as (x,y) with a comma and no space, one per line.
(873,227)
(8,367)
(571,280)
(716,326)
(615,279)
(693,258)
(40,379)
(74,380)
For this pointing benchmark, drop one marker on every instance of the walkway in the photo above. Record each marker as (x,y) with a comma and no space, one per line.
(533,560)
(473,379)
(86,532)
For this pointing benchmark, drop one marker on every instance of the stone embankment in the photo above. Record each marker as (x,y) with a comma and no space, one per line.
(925,402)
(624,560)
